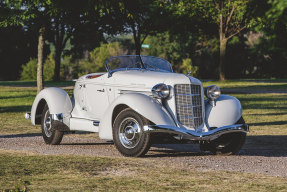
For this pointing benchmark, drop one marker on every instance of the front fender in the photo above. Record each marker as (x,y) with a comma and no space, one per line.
(57,100)
(144,105)
(227,111)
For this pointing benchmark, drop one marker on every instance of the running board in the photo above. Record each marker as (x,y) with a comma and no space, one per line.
(78,124)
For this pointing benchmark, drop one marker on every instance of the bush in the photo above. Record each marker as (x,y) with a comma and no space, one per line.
(49,67)
(29,71)
(97,57)
(68,69)
(187,67)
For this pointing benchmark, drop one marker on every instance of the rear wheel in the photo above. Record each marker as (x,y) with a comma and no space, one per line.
(227,144)
(128,134)
(50,135)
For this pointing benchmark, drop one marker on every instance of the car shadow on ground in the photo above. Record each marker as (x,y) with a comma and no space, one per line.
(21,135)
(263,145)
(93,143)
(16,108)
(174,150)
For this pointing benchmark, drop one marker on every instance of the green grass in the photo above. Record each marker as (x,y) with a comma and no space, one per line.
(34,83)
(78,173)
(265,113)
(250,84)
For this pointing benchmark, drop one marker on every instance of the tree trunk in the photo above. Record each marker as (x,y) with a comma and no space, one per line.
(137,39)
(40,62)
(138,47)
(57,63)
(222,47)
(223,43)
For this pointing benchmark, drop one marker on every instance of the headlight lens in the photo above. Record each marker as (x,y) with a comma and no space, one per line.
(212,92)
(160,91)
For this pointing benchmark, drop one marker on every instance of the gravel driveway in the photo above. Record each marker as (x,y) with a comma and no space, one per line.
(264,158)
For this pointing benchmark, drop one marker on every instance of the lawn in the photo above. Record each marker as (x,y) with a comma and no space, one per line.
(31,172)
(266,114)
(251,84)
(34,83)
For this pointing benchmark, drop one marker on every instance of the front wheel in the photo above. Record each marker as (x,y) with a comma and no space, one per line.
(227,144)
(50,135)
(128,134)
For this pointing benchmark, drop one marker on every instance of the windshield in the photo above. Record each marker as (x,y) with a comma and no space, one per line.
(130,62)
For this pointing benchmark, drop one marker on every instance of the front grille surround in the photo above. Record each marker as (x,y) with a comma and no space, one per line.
(188,102)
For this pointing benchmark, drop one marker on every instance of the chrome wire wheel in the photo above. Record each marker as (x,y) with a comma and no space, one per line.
(50,134)
(129,132)
(48,124)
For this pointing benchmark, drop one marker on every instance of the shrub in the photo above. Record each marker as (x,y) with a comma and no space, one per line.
(97,57)
(187,67)
(29,71)
(69,69)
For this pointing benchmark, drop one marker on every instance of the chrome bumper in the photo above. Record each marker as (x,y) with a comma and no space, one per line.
(200,136)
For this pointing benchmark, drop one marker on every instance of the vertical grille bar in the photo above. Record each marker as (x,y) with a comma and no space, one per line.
(188,105)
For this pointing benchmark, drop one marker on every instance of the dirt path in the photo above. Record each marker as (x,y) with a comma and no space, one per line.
(253,158)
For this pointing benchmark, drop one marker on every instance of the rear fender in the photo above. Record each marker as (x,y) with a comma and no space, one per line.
(227,111)
(146,106)
(58,102)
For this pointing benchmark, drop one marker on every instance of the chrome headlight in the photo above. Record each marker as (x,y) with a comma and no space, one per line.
(212,92)
(160,91)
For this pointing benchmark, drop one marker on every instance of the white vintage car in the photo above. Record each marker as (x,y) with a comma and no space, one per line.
(140,101)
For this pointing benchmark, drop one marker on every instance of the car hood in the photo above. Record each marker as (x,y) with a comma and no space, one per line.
(147,79)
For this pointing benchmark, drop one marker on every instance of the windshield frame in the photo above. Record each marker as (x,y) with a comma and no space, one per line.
(110,72)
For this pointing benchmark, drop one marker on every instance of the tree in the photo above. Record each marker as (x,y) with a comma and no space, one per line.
(66,19)
(229,17)
(57,22)
(168,47)
(17,46)
(277,10)
(139,17)
(230,21)
(19,13)
(275,35)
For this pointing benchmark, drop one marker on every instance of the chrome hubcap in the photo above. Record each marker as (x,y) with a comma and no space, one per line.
(129,132)
(48,124)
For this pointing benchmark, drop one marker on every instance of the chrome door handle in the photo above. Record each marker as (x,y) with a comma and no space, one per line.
(101,90)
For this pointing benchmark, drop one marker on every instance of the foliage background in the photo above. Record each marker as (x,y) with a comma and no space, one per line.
(183,32)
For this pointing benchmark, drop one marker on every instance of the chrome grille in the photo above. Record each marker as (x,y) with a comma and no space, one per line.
(188,105)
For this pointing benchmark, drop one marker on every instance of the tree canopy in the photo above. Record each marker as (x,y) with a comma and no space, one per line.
(217,38)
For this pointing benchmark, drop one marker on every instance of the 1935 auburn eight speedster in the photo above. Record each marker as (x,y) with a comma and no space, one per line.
(140,101)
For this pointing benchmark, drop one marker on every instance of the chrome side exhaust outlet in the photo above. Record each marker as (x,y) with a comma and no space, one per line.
(27,115)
